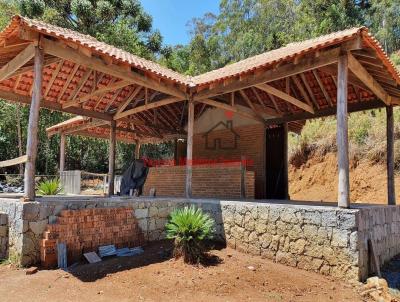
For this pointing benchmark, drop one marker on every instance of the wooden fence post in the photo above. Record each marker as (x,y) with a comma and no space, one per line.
(32,135)
(62,152)
(137,149)
(342,134)
(390,155)
(189,153)
(111,159)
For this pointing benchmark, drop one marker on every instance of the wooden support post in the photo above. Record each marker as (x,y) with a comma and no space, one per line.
(137,150)
(111,159)
(62,152)
(32,135)
(342,134)
(189,152)
(390,155)
(285,161)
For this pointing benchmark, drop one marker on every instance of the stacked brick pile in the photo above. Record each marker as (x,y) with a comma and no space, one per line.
(85,230)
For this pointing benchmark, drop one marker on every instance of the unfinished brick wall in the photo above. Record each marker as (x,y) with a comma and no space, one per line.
(85,230)
(213,181)
(249,143)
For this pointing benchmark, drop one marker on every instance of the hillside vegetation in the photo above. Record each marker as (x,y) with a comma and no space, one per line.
(312,156)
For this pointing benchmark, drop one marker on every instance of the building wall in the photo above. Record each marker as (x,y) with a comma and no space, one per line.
(249,144)
(3,236)
(212,181)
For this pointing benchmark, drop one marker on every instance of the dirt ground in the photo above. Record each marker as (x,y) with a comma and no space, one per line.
(316,180)
(154,276)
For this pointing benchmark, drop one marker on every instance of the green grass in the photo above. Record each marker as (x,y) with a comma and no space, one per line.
(49,187)
(367,137)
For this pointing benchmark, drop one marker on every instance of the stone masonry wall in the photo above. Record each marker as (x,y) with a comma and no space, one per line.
(3,236)
(325,239)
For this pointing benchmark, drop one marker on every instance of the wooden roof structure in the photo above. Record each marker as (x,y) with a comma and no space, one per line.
(84,76)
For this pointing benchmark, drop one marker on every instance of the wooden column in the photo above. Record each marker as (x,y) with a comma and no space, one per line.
(189,152)
(342,134)
(32,135)
(111,159)
(137,150)
(285,160)
(390,155)
(62,152)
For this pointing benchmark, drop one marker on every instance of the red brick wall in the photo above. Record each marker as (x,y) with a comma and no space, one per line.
(250,144)
(85,230)
(213,181)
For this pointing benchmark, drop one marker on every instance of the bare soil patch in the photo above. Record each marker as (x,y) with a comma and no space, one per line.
(154,276)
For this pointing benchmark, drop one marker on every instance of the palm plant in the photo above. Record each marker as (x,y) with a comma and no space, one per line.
(190,227)
(49,187)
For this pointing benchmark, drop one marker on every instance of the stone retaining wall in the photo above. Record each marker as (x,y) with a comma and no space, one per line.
(3,236)
(325,239)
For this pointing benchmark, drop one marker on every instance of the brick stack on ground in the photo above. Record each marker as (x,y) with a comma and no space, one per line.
(85,230)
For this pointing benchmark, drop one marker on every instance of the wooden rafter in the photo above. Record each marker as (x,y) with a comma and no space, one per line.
(235,109)
(66,53)
(87,125)
(53,78)
(68,81)
(310,92)
(251,105)
(113,99)
(20,60)
(322,87)
(80,84)
(129,99)
(300,87)
(284,96)
(369,81)
(303,65)
(29,68)
(100,91)
(163,102)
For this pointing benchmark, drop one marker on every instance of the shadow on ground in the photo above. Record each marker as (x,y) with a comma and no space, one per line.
(155,252)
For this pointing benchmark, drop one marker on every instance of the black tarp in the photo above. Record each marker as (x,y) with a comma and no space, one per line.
(134,177)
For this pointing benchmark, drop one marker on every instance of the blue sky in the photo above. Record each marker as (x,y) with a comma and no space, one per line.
(171,16)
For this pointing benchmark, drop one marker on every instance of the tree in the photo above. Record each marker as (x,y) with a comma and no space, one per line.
(122,23)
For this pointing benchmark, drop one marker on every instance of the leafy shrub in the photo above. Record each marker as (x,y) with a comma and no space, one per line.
(49,187)
(190,228)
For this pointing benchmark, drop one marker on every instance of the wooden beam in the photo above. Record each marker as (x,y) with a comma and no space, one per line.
(88,124)
(284,96)
(100,91)
(163,102)
(14,161)
(137,150)
(235,109)
(322,87)
(189,150)
(66,53)
(251,105)
(301,89)
(329,111)
(273,74)
(20,60)
(32,135)
(367,79)
(18,98)
(29,68)
(390,155)
(342,134)
(129,100)
(111,159)
(62,152)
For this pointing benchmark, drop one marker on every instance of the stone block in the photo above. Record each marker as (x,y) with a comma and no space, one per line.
(328,218)
(297,247)
(286,258)
(3,231)
(312,217)
(38,227)
(141,213)
(340,238)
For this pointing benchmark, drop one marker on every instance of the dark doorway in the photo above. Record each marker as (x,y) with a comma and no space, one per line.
(276,163)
